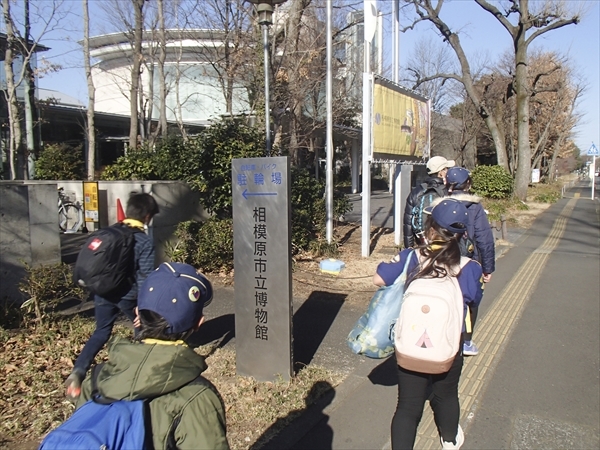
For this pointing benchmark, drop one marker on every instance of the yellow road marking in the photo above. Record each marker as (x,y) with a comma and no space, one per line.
(494,329)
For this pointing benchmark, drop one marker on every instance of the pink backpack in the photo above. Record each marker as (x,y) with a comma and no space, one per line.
(428,330)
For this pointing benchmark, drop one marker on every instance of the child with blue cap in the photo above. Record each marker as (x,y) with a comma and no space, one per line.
(439,256)
(185,409)
(458,182)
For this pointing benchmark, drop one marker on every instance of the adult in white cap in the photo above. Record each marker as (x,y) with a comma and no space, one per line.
(186,411)
(421,196)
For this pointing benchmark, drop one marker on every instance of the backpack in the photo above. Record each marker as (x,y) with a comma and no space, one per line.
(106,262)
(101,423)
(467,246)
(424,199)
(428,330)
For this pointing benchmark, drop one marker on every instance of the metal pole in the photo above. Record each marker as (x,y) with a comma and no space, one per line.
(593,175)
(396,40)
(265,30)
(370,25)
(395,77)
(329,173)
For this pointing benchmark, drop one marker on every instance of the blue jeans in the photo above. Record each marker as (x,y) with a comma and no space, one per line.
(106,314)
(413,390)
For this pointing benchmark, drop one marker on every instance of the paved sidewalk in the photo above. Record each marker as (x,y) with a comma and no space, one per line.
(534,383)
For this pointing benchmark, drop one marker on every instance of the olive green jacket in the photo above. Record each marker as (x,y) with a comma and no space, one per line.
(186,412)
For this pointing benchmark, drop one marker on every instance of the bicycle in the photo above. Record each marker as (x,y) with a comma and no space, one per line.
(70,214)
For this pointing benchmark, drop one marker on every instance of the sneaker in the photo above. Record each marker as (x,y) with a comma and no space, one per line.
(460,440)
(73,387)
(470,349)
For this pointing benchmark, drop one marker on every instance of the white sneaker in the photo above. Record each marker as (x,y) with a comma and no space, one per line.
(460,440)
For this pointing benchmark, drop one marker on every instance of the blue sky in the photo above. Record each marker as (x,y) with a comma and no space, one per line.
(480,33)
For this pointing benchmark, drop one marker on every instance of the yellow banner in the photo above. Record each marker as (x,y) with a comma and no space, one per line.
(90,204)
(400,121)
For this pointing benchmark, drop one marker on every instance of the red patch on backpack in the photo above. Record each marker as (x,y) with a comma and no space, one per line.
(93,246)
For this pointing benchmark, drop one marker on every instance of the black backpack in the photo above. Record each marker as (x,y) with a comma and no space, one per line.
(467,246)
(106,262)
(424,199)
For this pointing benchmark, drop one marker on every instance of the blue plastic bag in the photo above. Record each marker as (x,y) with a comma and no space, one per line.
(372,335)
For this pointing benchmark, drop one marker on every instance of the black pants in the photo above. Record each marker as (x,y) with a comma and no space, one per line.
(473,313)
(413,389)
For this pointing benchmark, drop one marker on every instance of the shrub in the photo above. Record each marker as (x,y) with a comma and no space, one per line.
(207,245)
(137,164)
(47,286)
(60,162)
(219,144)
(545,193)
(492,182)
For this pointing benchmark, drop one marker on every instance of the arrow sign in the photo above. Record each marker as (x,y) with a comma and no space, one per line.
(593,151)
(247,194)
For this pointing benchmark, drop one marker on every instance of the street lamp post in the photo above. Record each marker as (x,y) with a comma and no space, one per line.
(264,10)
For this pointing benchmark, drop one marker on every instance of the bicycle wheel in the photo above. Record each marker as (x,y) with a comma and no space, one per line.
(70,218)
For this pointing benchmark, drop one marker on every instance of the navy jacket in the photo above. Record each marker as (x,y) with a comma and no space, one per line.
(411,201)
(479,230)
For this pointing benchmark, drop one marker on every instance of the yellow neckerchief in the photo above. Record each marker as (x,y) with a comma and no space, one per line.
(434,247)
(160,342)
(134,223)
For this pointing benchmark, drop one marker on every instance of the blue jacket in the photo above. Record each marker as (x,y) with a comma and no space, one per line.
(479,230)
(469,279)
(144,255)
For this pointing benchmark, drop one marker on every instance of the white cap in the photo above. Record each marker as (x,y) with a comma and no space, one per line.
(439,163)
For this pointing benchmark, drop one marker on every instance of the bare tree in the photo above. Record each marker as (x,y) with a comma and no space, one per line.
(91,126)
(530,23)
(11,89)
(138,8)
(48,16)
(162,55)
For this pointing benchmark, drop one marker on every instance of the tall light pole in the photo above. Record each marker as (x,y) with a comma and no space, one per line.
(264,10)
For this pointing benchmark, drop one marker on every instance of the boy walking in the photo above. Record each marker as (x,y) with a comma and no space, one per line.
(141,208)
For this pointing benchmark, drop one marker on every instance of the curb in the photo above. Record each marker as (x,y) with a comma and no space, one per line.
(291,434)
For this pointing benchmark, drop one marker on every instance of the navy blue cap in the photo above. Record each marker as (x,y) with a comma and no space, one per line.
(178,293)
(449,213)
(457,175)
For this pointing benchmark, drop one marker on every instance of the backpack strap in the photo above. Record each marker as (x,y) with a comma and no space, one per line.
(96,396)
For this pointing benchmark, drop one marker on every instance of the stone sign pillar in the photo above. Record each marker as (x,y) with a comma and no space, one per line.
(262,265)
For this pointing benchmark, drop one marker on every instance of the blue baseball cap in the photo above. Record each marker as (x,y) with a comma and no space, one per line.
(449,214)
(178,293)
(457,175)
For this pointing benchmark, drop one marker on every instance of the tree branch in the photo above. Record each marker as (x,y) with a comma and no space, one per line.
(498,15)
(444,76)
(553,26)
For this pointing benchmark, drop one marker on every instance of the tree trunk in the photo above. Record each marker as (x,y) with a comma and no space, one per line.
(14,143)
(91,126)
(523,174)
(27,95)
(296,95)
(138,6)
(162,55)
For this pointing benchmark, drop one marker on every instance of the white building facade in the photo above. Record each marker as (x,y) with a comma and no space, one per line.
(194,94)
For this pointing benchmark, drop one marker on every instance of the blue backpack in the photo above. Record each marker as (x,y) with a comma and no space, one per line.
(101,424)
